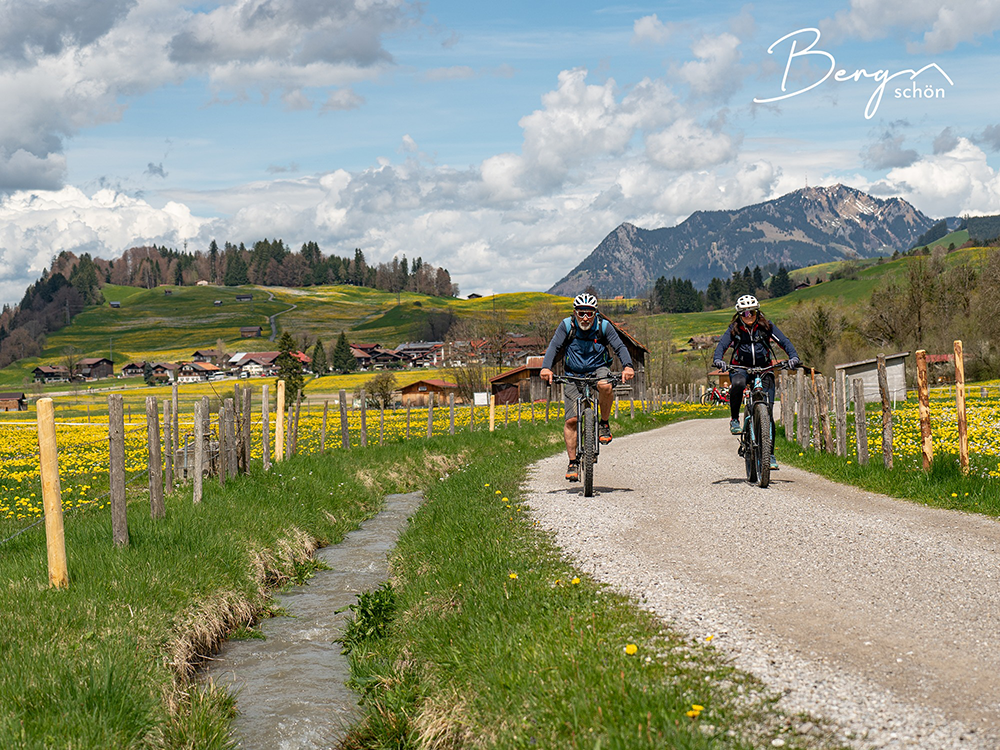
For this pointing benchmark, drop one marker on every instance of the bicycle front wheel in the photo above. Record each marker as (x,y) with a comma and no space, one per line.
(589,451)
(748,440)
(762,446)
(707,398)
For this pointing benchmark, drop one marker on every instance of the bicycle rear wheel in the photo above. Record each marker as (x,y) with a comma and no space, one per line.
(762,446)
(589,451)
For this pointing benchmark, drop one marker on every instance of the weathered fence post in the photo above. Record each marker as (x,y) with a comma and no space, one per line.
(824,410)
(55,540)
(293,443)
(221,453)
(156,508)
(247,426)
(364,419)
(381,425)
(883,389)
(548,401)
(963,425)
(860,422)
(232,467)
(841,411)
(345,438)
(493,409)
(265,418)
(322,429)
(116,470)
(279,423)
(451,413)
(168,446)
(407,421)
(199,454)
(924,410)
(430,416)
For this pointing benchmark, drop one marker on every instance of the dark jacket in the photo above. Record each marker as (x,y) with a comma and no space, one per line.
(752,347)
(584,351)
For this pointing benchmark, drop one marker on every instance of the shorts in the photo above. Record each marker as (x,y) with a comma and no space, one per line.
(571,391)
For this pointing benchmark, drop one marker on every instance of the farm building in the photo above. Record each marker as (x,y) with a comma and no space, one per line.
(423,391)
(207,355)
(134,369)
(520,384)
(115,303)
(95,368)
(868,372)
(165,371)
(12,402)
(244,297)
(195,372)
(250,332)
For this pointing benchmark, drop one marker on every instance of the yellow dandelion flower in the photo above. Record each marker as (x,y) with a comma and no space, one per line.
(575,581)
(696,707)
(709,637)
(631,648)
(513,576)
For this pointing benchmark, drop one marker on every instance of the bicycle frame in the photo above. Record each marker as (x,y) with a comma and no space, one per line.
(756,440)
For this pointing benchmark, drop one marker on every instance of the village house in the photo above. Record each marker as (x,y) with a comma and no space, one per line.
(421,353)
(196,372)
(12,402)
(133,369)
(50,374)
(165,371)
(207,355)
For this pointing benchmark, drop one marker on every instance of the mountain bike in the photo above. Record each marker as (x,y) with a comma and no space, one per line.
(716,395)
(587,445)
(756,438)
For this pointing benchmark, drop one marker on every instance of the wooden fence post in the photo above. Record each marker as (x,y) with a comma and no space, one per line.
(407,421)
(451,413)
(548,401)
(472,415)
(924,410)
(824,410)
(322,429)
(265,431)
(293,443)
(841,411)
(493,409)
(247,426)
(381,425)
(806,408)
(55,540)
(364,419)
(232,466)
(168,446)
(156,508)
(883,389)
(430,415)
(963,425)
(220,456)
(279,424)
(199,454)
(860,421)
(345,437)
(116,470)
(175,422)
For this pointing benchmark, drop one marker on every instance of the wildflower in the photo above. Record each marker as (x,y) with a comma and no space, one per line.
(954,494)
(575,581)
(631,649)
(513,576)
(504,500)
(709,637)
(498,492)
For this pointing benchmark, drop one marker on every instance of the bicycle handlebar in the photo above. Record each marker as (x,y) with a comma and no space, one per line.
(783,365)
(614,378)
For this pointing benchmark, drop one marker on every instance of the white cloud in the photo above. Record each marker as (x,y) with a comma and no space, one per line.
(716,73)
(950,184)
(943,24)
(651,29)
(686,145)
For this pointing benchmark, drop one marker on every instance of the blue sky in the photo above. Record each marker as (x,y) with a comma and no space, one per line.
(502,141)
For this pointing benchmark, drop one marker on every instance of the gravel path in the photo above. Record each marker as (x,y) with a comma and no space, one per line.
(880,615)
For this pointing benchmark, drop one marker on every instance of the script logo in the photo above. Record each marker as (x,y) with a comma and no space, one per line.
(881,77)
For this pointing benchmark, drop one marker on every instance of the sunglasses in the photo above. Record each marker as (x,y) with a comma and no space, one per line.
(748,313)
(586,313)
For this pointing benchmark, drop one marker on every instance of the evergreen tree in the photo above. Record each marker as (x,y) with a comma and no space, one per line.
(289,367)
(147,374)
(715,295)
(343,361)
(781,284)
(758,278)
(213,259)
(236,270)
(319,364)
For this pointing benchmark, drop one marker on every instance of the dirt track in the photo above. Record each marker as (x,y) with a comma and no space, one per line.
(877,613)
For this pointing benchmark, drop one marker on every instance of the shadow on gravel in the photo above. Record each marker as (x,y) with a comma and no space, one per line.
(578,490)
(742,480)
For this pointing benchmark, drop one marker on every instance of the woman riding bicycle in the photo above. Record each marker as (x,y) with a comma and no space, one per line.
(750,335)
(582,341)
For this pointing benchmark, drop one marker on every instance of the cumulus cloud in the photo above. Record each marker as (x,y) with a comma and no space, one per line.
(70,65)
(990,137)
(945,141)
(716,73)
(950,184)
(686,145)
(650,29)
(938,25)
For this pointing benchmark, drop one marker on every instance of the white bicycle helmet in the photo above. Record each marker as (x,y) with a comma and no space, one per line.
(747,302)
(585,300)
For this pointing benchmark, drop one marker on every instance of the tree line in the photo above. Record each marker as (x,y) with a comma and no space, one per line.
(678,295)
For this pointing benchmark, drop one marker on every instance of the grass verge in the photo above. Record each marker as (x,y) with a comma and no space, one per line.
(490,638)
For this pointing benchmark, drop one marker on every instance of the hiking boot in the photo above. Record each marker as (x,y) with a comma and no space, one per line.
(604,432)
(573,472)
(774,463)
(734,426)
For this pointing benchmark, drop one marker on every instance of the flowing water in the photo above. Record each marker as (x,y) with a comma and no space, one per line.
(291,691)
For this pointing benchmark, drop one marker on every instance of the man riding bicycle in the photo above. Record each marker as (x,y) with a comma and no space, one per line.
(581,342)
(750,335)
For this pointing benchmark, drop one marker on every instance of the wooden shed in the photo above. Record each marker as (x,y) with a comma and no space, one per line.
(250,332)
(522,384)
(423,391)
(12,402)
(867,370)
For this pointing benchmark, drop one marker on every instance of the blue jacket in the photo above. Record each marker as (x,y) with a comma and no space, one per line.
(584,351)
(752,346)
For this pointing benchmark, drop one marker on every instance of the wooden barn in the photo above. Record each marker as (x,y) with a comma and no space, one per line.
(867,370)
(423,392)
(13,402)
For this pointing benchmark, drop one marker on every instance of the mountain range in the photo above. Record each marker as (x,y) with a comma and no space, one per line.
(805,227)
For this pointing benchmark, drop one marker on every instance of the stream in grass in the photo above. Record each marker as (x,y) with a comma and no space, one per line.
(291,691)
